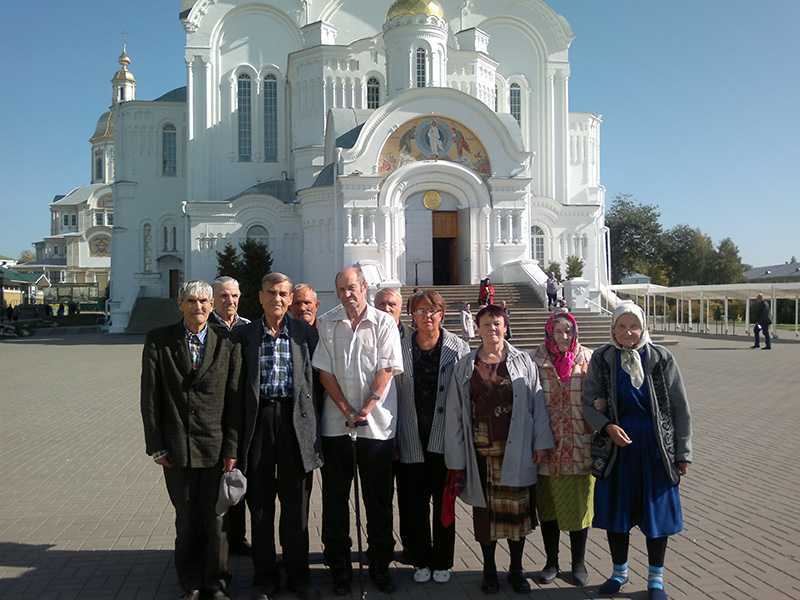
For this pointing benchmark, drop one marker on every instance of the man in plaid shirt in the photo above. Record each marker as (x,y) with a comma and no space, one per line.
(279,444)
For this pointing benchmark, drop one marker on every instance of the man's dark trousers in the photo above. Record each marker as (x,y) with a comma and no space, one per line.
(762,328)
(276,468)
(377,489)
(193,493)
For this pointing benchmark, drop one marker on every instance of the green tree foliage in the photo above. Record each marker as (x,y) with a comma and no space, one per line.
(635,233)
(574,267)
(728,267)
(688,255)
(26,256)
(555,269)
(248,266)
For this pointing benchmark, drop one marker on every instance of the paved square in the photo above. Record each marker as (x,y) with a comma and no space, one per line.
(84,512)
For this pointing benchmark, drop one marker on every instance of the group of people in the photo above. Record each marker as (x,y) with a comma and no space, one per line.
(562,437)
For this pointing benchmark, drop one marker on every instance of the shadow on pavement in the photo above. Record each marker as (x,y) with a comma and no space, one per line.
(39,571)
(55,339)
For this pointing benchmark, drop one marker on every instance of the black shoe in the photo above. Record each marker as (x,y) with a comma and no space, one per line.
(191,595)
(755,346)
(490,584)
(240,548)
(404,557)
(767,348)
(518,582)
(548,574)
(382,580)
(580,576)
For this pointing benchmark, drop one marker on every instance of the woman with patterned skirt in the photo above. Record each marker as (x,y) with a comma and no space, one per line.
(564,492)
(496,430)
(634,397)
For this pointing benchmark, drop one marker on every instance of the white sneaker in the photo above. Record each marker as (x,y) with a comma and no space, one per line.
(442,576)
(422,575)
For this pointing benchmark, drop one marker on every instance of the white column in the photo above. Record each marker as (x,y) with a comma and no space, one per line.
(747,313)
(725,329)
(548,189)
(372,239)
(510,226)
(708,310)
(486,250)
(190,96)
(498,229)
(209,92)
(796,314)
(561,121)
(387,242)
(348,222)
(691,322)
(361,231)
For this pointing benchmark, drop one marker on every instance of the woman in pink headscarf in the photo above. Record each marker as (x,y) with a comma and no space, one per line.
(564,493)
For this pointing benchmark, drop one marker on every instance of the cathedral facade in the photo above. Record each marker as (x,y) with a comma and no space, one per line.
(431,141)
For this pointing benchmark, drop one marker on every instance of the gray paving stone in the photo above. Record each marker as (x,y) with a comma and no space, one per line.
(84,513)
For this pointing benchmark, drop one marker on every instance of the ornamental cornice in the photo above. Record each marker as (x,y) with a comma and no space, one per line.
(403,20)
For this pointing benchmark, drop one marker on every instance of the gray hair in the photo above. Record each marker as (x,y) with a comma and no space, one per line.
(275,278)
(195,288)
(300,287)
(386,291)
(359,273)
(224,280)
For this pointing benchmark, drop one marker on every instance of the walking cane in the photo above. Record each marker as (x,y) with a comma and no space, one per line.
(353,437)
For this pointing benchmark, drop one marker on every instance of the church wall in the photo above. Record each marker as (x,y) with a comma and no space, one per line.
(322,252)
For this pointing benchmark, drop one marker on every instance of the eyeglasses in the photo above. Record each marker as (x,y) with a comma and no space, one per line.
(426,312)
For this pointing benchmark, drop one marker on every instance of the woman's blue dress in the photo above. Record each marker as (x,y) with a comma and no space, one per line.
(638,490)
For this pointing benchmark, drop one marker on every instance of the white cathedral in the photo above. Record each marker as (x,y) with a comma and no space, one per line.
(428,140)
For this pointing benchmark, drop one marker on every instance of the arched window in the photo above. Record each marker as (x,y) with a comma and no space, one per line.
(166,239)
(515,102)
(258,233)
(169,150)
(537,244)
(174,238)
(98,166)
(373,92)
(422,67)
(270,119)
(245,118)
(496,97)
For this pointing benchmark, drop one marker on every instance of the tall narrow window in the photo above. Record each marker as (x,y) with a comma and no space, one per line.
(537,244)
(496,97)
(373,93)
(422,67)
(98,218)
(515,102)
(245,118)
(174,238)
(74,220)
(109,219)
(166,241)
(98,166)
(169,150)
(270,119)
(66,220)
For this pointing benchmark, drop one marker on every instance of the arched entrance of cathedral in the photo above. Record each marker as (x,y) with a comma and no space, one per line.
(437,227)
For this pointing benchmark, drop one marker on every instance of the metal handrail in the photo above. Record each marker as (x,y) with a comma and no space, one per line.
(602,310)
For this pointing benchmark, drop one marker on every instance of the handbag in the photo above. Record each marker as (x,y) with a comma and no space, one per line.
(602,447)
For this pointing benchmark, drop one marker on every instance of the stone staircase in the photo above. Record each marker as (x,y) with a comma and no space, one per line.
(527,315)
(149,313)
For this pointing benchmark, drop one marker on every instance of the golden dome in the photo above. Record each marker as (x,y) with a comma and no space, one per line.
(413,8)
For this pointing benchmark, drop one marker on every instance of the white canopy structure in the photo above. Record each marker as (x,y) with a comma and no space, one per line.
(686,296)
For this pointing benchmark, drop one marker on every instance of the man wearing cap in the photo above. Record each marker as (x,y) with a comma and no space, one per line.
(226,314)
(357,356)
(192,415)
(279,446)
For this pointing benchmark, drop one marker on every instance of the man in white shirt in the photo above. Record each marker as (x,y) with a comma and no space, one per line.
(357,356)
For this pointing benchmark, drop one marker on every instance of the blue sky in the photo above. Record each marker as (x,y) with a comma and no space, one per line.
(699,100)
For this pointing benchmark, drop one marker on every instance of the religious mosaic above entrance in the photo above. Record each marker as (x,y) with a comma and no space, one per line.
(434,138)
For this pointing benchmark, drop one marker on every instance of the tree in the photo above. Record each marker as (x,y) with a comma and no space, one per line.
(26,256)
(247,267)
(688,256)
(728,267)
(635,233)
(555,269)
(574,267)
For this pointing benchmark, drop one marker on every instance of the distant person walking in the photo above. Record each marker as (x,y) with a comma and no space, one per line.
(552,291)
(467,322)
(486,293)
(762,322)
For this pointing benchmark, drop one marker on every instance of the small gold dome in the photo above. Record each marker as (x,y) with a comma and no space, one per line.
(413,8)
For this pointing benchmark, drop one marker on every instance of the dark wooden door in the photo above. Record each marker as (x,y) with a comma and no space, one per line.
(445,247)
(174,283)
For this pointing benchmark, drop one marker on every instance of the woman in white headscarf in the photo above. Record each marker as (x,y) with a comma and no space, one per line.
(634,399)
